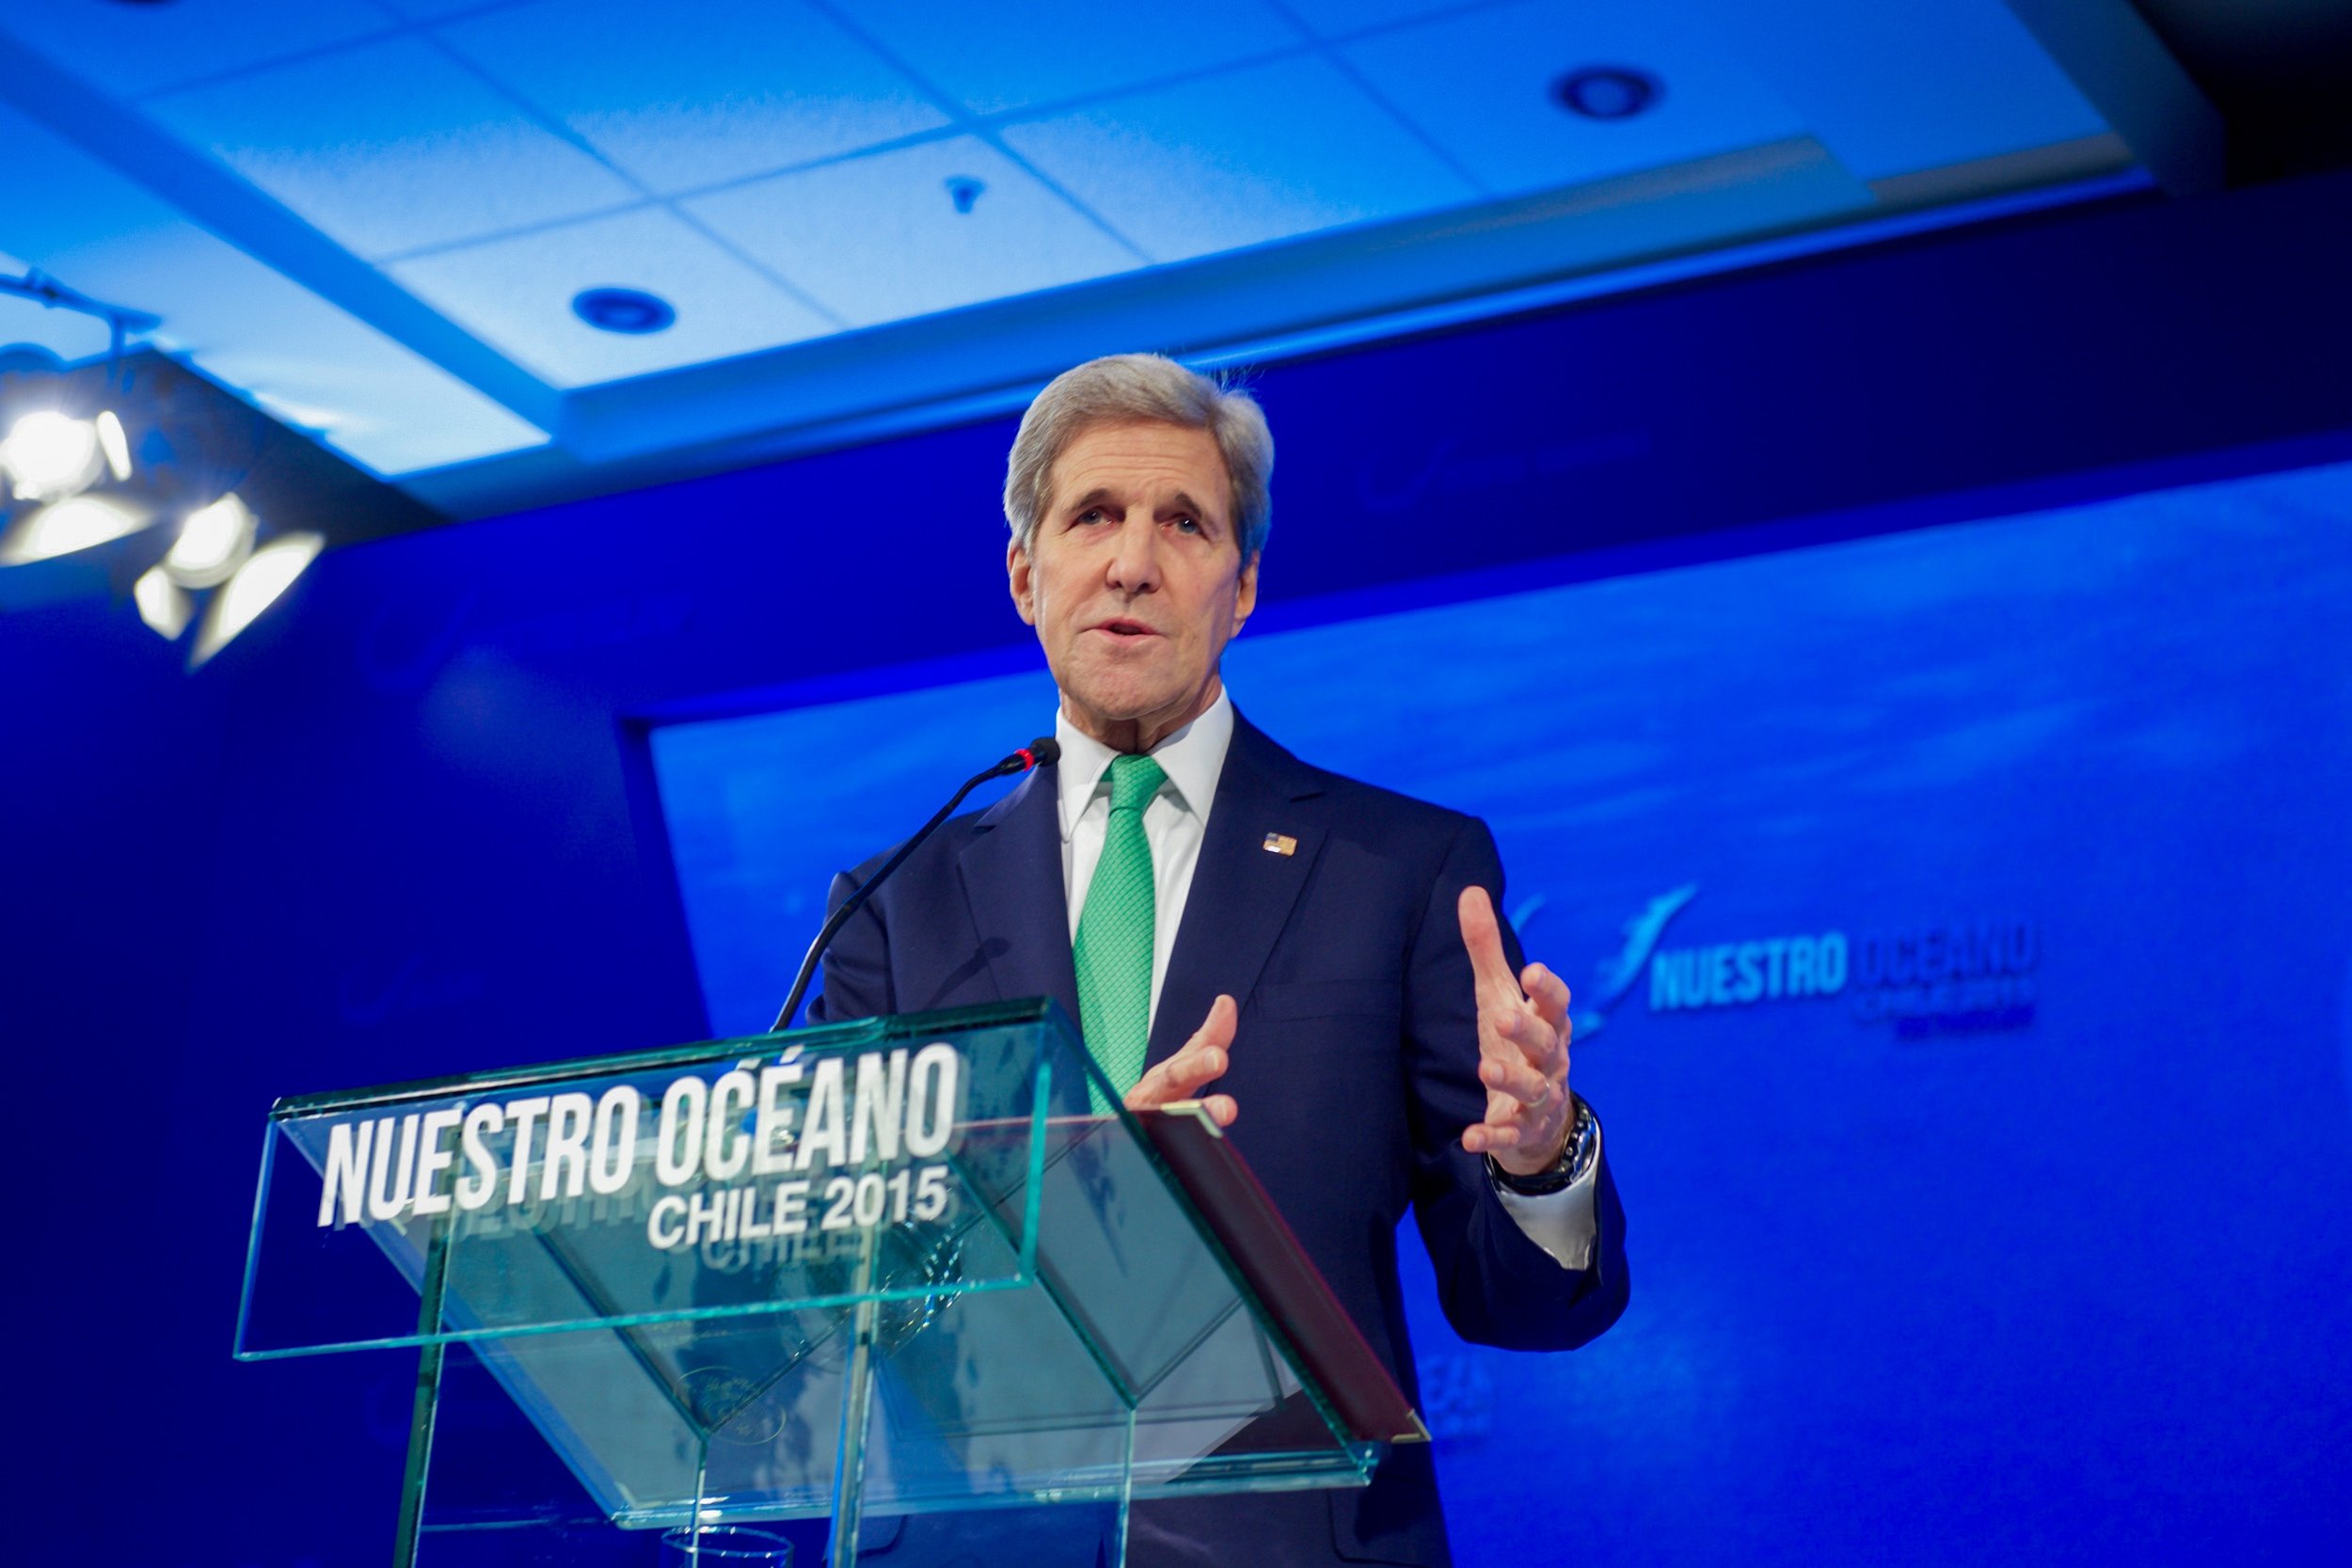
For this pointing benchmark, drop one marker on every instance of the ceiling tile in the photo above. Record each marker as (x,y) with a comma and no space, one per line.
(432,10)
(128,50)
(1332,19)
(1065,49)
(442,159)
(878,238)
(1257,155)
(378,402)
(1480,87)
(516,295)
(753,86)
(1893,89)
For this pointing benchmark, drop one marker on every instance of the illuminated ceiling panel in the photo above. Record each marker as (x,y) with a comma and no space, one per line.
(319,367)
(516,294)
(988,62)
(128,50)
(1493,105)
(392,146)
(836,218)
(750,88)
(1261,153)
(914,231)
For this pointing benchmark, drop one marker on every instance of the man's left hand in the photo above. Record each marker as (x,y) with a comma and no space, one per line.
(1199,1064)
(1522,1049)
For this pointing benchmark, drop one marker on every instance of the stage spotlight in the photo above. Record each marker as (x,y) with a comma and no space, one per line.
(63,527)
(267,573)
(116,444)
(50,455)
(164,605)
(213,542)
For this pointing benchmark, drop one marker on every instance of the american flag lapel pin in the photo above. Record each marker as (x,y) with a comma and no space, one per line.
(1281,843)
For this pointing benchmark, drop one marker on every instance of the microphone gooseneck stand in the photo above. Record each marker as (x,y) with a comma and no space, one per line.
(1037,754)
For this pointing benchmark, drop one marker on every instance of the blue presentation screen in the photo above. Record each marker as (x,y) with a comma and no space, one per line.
(1963,947)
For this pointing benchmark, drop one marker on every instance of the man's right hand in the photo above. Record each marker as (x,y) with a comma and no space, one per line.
(1202,1061)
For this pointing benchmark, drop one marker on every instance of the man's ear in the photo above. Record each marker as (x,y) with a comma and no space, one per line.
(1246,592)
(1022,579)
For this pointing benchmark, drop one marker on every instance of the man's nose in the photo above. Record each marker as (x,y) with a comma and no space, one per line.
(1135,557)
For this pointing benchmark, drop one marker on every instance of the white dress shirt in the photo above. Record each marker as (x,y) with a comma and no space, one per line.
(1174,823)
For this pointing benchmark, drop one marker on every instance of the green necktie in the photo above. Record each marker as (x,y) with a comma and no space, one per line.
(1113,952)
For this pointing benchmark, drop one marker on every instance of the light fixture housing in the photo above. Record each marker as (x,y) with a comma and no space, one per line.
(157,446)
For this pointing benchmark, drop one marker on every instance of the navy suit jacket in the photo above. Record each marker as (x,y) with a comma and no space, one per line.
(1355,1063)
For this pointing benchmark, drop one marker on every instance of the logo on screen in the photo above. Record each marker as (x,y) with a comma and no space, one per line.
(1946,976)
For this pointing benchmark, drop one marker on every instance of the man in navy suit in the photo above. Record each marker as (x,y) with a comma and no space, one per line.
(1318,954)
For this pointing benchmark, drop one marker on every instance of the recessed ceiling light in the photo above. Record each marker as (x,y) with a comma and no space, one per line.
(630,310)
(1607,91)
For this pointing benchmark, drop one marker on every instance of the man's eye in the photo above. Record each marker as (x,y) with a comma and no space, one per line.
(1092,514)
(1191,525)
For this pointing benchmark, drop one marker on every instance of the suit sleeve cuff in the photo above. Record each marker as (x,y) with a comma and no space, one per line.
(1561,1222)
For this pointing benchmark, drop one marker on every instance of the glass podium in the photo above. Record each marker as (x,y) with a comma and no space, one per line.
(894,1267)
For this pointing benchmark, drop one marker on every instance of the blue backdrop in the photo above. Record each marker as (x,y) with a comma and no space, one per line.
(1960,925)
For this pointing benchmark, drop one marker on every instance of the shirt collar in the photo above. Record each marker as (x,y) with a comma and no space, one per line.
(1192,757)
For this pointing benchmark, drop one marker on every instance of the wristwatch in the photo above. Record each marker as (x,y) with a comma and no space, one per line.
(1575,1162)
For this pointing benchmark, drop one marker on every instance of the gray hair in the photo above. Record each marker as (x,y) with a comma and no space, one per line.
(1124,386)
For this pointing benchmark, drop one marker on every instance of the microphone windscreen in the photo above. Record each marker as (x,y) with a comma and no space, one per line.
(1043,751)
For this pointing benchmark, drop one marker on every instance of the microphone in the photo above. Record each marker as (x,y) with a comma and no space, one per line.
(1037,754)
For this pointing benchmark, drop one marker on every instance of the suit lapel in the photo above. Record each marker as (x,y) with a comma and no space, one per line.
(1013,883)
(1242,892)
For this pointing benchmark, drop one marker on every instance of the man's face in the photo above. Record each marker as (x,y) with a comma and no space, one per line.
(1134,579)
